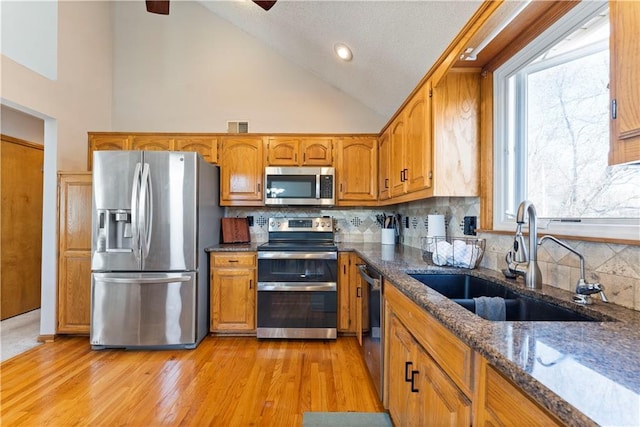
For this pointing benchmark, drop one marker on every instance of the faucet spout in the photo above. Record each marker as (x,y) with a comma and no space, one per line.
(530,269)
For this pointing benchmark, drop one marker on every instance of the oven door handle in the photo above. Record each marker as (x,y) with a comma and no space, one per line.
(297,286)
(375,283)
(297,255)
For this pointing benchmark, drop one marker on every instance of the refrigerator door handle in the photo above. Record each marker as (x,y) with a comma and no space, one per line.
(135,215)
(146,209)
(145,280)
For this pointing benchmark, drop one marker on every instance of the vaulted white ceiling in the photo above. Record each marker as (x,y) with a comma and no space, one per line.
(394,43)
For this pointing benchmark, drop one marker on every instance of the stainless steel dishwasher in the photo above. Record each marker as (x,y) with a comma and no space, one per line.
(372,337)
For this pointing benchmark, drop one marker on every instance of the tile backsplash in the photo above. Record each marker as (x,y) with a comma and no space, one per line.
(615,266)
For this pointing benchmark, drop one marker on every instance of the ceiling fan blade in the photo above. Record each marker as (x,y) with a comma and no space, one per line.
(160,7)
(266,5)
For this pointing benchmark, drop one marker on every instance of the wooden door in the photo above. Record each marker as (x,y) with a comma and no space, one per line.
(241,171)
(399,390)
(397,157)
(206,146)
(384,156)
(344,293)
(418,141)
(316,151)
(21,247)
(357,171)
(74,252)
(283,151)
(625,75)
(233,300)
(107,141)
(152,142)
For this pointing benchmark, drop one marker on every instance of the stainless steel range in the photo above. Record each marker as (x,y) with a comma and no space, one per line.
(297,280)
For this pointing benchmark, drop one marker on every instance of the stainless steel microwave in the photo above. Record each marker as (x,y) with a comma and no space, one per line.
(307,186)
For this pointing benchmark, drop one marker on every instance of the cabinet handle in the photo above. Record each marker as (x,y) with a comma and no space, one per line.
(344,269)
(233,260)
(259,188)
(407,377)
(405,170)
(402,175)
(250,283)
(413,386)
(341,187)
(386,183)
(359,292)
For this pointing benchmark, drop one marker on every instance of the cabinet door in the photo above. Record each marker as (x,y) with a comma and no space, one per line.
(316,151)
(233,300)
(625,75)
(241,171)
(207,147)
(440,402)
(456,107)
(499,402)
(74,256)
(396,159)
(399,390)
(107,141)
(344,293)
(357,171)
(283,151)
(418,141)
(384,156)
(152,142)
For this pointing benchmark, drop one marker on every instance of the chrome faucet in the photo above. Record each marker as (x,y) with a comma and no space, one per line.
(584,290)
(519,262)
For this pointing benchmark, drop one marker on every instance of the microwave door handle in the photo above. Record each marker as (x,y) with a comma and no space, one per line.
(135,218)
(318,177)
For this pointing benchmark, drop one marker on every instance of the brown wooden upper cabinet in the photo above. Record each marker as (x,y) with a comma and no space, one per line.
(241,171)
(299,151)
(357,171)
(405,162)
(624,88)
(204,144)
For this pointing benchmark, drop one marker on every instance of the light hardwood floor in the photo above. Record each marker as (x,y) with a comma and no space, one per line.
(224,382)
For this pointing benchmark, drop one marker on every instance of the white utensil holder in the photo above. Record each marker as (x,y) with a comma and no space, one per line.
(388,236)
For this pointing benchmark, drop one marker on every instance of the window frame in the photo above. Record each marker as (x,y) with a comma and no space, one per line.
(618,228)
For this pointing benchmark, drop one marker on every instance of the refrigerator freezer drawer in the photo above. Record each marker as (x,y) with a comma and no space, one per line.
(143,310)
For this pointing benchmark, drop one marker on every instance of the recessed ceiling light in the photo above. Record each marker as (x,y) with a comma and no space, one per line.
(343,51)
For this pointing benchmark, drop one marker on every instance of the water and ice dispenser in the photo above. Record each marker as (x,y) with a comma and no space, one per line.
(114,231)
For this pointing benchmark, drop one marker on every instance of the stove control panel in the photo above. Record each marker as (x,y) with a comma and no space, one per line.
(317,224)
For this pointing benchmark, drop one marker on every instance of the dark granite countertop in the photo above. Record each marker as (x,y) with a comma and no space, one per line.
(234,247)
(586,373)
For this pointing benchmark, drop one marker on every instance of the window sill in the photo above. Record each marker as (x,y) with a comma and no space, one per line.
(630,242)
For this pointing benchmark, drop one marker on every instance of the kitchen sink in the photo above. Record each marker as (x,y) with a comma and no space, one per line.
(462,289)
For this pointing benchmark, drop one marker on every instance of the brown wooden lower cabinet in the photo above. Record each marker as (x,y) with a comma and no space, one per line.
(432,378)
(233,292)
(420,392)
(500,402)
(74,256)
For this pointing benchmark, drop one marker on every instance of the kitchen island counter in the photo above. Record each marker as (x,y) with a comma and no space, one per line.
(585,373)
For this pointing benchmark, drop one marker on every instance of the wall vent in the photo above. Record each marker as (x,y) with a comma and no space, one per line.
(238,126)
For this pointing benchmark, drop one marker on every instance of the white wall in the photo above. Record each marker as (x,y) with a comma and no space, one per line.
(20,125)
(78,101)
(192,71)
(30,34)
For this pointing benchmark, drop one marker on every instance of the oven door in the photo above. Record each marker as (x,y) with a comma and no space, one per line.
(297,310)
(297,267)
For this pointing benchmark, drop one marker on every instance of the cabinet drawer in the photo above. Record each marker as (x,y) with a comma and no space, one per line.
(233,260)
(453,356)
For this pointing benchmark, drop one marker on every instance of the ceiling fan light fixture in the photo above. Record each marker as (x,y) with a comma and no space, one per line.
(343,51)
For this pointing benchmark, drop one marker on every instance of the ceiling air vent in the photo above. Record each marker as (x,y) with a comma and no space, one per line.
(237,127)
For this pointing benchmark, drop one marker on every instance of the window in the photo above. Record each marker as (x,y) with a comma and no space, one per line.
(552,134)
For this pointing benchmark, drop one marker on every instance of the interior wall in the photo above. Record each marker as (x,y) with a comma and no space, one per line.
(192,71)
(20,125)
(79,100)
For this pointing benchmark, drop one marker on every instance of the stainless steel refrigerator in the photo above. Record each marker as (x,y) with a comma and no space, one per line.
(154,213)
